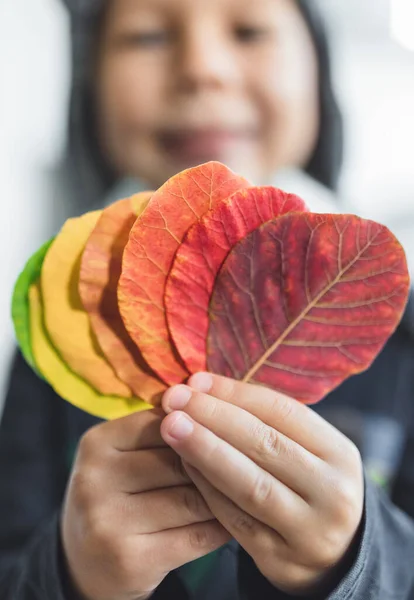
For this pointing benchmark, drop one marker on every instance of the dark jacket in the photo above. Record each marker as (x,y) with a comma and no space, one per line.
(38,437)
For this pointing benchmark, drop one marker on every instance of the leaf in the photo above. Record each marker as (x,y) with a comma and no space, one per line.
(20,302)
(66,321)
(98,283)
(149,254)
(305,301)
(199,258)
(68,385)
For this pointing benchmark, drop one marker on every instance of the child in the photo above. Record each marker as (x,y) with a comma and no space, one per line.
(239,492)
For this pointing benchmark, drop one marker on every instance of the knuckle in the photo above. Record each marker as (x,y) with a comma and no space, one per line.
(276,567)
(211,409)
(103,539)
(269,442)
(178,468)
(200,537)
(213,453)
(342,488)
(118,554)
(120,559)
(97,533)
(228,389)
(353,454)
(283,407)
(193,502)
(339,527)
(301,577)
(100,531)
(84,489)
(326,550)
(347,502)
(244,524)
(261,491)
(88,444)
(346,453)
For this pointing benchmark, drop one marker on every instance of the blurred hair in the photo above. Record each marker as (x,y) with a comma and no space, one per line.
(326,162)
(89,174)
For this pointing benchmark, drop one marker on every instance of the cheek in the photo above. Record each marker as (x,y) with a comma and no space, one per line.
(287,93)
(128,104)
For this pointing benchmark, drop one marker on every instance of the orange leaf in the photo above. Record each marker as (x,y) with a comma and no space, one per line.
(149,254)
(98,283)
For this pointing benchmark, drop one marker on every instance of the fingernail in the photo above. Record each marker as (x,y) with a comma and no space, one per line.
(201,382)
(176,398)
(181,428)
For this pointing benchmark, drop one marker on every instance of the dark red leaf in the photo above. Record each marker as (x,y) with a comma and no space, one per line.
(305,301)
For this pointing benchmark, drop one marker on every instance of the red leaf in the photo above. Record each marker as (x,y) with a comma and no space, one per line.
(149,254)
(98,283)
(199,258)
(305,301)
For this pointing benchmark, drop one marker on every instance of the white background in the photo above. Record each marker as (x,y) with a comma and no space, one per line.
(374,76)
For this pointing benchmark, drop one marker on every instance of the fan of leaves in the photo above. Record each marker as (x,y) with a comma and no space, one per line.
(207,273)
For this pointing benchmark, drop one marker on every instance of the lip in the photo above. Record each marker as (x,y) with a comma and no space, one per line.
(201,145)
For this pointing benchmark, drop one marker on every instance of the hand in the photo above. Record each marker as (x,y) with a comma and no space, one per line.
(131,513)
(287,485)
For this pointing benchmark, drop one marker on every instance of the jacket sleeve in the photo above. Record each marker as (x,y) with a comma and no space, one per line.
(33,473)
(403,489)
(382,561)
(384,565)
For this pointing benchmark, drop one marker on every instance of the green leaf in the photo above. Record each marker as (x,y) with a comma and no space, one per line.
(20,302)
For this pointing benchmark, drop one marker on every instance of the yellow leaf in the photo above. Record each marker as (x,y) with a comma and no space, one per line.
(66,321)
(64,381)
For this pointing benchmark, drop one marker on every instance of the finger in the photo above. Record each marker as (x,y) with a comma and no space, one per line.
(180,546)
(276,558)
(159,510)
(295,420)
(257,539)
(274,452)
(138,431)
(235,475)
(145,470)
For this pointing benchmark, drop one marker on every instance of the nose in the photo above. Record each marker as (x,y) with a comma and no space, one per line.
(206,59)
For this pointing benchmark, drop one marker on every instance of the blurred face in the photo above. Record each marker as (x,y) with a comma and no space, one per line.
(181,82)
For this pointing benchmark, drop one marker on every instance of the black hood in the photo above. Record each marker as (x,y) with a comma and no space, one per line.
(408,318)
(326,162)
